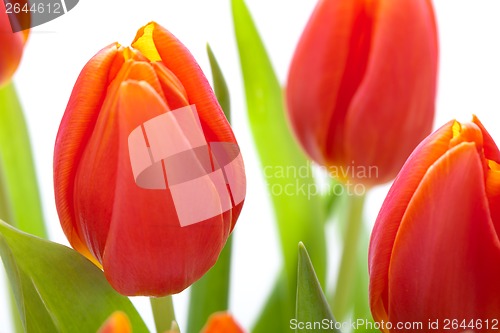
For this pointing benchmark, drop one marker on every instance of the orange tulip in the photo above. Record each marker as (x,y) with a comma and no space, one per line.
(435,251)
(149,180)
(362,84)
(222,322)
(118,322)
(12,44)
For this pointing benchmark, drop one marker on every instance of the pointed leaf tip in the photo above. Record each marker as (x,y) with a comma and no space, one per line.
(220,84)
(311,306)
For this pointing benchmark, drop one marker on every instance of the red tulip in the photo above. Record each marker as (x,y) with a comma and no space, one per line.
(12,44)
(222,322)
(362,84)
(435,251)
(148,176)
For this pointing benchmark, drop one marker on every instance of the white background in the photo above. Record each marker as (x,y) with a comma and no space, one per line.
(469,82)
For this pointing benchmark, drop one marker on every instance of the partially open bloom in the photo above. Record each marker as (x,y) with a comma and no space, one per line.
(11,44)
(362,84)
(435,250)
(149,179)
(222,322)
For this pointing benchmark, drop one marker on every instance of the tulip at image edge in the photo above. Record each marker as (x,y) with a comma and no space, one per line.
(12,45)
(118,322)
(362,84)
(434,252)
(222,322)
(131,232)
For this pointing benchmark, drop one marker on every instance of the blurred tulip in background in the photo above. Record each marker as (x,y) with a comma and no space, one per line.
(362,85)
(11,44)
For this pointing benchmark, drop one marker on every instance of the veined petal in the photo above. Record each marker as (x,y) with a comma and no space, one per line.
(75,129)
(144,71)
(491,151)
(492,167)
(328,65)
(145,230)
(175,94)
(445,245)
(393,209)
(393,108)
(177,58)
(493,192)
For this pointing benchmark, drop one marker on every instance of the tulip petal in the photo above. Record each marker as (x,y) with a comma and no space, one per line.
(118,322)
(393,209)
(145,229)
(173,89)
(75,129)
(177,58)
(397,93)
(222,322)
(448,240)
(491,151)
(325,72)
(144,71)
(12,44)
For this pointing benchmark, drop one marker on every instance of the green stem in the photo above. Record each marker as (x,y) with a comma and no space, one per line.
(361,297)
(332,200)
(16,160)
(5,205)
(163,313)
(344,291)
(210,293)
(6,214)
(19,199)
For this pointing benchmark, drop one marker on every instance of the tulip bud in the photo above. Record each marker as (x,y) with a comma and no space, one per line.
(149,179)
(362,84)
(435,251)
(12,44)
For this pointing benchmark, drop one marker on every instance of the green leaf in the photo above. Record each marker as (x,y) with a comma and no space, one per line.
(312,306)
(20,186)
(361,296)
(57,289)
(297,203)
(344,298)
(163,313)
(220,86)
(16,318)
(211,293)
